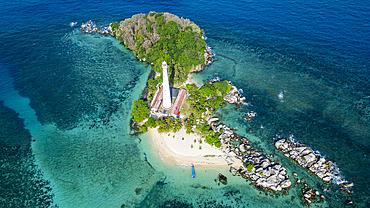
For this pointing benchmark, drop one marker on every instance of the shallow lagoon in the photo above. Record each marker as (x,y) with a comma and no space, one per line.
(75,92)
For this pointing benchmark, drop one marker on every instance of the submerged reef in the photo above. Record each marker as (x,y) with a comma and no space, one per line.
(22,182)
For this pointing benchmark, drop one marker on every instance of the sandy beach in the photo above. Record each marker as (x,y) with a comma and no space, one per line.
(180,149)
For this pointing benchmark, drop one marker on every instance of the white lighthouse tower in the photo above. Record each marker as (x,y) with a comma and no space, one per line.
(166,88)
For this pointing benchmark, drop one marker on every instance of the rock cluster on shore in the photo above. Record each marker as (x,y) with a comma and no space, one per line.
(264,173)
(208,59)
(309,159)
(310,195)
(90,27)
(234,96)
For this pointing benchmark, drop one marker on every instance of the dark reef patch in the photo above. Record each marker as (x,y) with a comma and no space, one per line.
(22,184)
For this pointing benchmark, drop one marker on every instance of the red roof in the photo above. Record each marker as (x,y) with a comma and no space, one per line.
(178,102)
(157,100)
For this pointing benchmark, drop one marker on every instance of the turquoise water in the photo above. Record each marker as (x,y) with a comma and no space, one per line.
(65,99)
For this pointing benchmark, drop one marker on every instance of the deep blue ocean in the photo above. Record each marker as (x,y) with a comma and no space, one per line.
(66,96)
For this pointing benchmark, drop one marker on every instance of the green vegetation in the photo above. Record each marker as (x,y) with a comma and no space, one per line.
(168,124)
(170,29)
(163,37)
(222,86)
(159,79)
(140,111)
(209,155)
(166,37)
(249,166)
(189,122)
(189,28)
(205,99)
(212,138)
(208,97)
(115,26)
(261,174)
(151,89)
(149,27)
(303,158)
(182,51)
(164,125)
(151,123)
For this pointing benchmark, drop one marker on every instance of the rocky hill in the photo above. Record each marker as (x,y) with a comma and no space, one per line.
(157,37)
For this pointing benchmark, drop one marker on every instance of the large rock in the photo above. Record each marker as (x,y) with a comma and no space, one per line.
(286,184)
(229,161)
(261,182)
(213,120)
(280,144)
(232,153)
(265,164)
(242,148)
(231,97)
(347,184)
(272,181)
(233,170)
(327,178)
(305,157)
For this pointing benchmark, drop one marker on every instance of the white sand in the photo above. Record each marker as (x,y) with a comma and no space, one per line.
(177,151)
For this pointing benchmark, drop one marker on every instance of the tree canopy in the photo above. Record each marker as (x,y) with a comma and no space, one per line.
(158,37)
(140,111)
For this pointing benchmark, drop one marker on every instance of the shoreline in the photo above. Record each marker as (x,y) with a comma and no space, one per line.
(175,151)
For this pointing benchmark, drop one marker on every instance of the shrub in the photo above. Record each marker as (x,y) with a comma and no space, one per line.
(249,166)
(140,111)
(170,28)
(151,122)
(222,86)
(212,138)
(143,128)
(114,25)
(149,27)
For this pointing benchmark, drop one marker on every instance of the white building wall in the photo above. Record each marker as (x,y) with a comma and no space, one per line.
(166,88)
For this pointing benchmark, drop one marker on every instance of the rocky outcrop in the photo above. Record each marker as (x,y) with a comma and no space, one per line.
(309,159)
(145,25)
(208,59)
(264,173)
(310,195)
(90,27)
(222,178)
(156,36)
(234,96)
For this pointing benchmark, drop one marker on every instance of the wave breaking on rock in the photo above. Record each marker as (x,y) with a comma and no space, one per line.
(326,170)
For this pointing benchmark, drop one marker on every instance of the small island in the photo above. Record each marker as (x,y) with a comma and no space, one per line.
(178,113)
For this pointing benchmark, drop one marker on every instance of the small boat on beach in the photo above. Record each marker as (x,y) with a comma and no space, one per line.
(192,171)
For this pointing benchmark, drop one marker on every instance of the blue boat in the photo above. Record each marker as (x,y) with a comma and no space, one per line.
(192,171)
